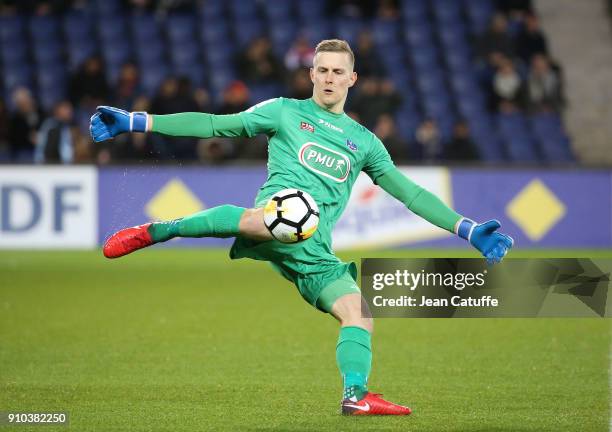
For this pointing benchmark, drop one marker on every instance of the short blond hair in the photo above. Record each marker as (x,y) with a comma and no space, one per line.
(335,45)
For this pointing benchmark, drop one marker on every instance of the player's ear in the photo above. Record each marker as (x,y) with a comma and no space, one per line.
(353,79)
(312,77)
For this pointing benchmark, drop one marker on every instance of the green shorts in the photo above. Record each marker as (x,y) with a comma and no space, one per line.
(311,265)
(346,284)
(310,273)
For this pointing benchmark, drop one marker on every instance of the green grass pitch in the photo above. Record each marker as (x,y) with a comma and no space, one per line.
(188,340)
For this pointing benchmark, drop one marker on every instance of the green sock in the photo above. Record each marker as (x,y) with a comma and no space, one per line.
(354,358)
(221,221)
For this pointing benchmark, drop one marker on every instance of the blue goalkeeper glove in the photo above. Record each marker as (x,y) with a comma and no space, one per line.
(484,237)
(109,122)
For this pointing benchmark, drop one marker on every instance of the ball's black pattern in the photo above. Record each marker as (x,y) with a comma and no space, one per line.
(279,214)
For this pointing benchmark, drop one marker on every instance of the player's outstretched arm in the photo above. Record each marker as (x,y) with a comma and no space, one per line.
(484,237)
(108,122)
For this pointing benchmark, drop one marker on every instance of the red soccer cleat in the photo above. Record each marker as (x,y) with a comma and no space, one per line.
(372,404)
(127,241)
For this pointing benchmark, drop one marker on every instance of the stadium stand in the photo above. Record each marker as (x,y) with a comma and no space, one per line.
(429,50)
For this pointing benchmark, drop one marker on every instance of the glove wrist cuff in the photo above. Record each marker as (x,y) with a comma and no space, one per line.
(464,228)
(139,121)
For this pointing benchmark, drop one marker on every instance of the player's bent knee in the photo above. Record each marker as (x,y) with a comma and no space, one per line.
(252,225)
(353,310)
(359,321)
(366,323)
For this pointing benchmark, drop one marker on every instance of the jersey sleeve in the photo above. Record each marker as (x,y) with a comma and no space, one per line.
(378,160)
(263,118)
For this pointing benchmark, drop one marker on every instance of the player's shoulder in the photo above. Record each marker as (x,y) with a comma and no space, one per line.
(284,103)
(356,126)
(291,106)
(361,130)
(294,103)
(268,103)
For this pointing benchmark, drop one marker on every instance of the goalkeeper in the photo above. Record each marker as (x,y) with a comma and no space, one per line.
(303,136)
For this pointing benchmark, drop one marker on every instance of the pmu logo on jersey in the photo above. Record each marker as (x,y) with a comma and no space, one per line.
(307,126)
(326,162)
(350,144)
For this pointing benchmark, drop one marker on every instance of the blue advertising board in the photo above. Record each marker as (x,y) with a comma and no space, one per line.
(539,208)
(130,196)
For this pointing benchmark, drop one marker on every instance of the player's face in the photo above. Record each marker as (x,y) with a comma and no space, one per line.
(332,75)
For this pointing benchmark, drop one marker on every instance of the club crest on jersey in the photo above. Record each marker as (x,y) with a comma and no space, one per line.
(350,144)
(324,161)
(307,126)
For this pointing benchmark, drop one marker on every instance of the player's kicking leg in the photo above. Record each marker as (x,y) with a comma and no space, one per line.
(354,357)
(223,221)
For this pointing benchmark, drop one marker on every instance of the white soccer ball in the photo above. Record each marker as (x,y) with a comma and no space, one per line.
(291,215)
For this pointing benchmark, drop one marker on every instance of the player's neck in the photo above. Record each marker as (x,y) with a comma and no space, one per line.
(333,109)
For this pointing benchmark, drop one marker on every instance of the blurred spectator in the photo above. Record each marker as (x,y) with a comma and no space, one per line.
(215,150)
(532,40)
(515,8)
(367,59)
(88,86)
(165,96)
(461,147)
(190,97)
(235,98)
(45,7)
(140,6)
(353,8)
(508,89)
(374,98)
(8,7)
(202,98)
(82,5)
(175,95)
(388,10)
(161,7)
(544,86)
(386,131)
(300,85)
(128,86)
(353,115)
(258,64)
(23,124)
(300,54)
(359,102)
(175,6)
(83,147)
(36,7)
(429,140)
(55,142)
(218,150)
(391,95)
(141,146)
(496,39)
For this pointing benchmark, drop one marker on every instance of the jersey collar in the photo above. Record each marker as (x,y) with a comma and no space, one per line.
(323,111)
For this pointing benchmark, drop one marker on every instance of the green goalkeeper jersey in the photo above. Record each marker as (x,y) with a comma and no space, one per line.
(314,150)
(321,153)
